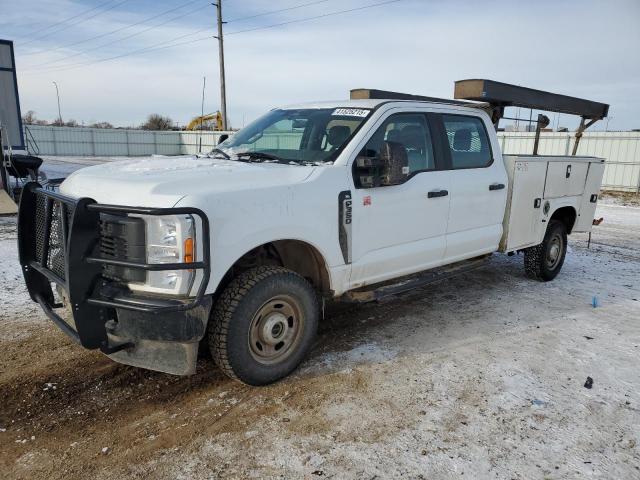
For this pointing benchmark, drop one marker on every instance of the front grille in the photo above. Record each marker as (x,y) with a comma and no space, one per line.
(55,255)
(41,221)
(122,238)
(112,245)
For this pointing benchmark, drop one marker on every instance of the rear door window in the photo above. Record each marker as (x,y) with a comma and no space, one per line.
(468,141)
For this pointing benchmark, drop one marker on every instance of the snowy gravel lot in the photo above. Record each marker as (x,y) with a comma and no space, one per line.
(480,376)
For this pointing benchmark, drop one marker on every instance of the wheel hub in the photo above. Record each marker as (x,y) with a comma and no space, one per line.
(275,330)
(275,327)
(554,251)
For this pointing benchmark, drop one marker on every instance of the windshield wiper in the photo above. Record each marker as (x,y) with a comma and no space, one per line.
(221,152)
(261,156)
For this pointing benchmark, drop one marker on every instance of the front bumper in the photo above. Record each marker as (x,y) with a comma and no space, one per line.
(58,239)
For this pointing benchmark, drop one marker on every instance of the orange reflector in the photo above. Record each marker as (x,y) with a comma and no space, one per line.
(188,250)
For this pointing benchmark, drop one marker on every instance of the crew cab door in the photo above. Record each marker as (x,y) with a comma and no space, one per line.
(400,229)
(478,187)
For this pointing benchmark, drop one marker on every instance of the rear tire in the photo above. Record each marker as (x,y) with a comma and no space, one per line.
(544,262)
(263,325)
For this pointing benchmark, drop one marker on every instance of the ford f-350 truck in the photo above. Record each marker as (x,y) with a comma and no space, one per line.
(237,250)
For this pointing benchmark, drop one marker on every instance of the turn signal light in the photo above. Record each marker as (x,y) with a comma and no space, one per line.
(188,250)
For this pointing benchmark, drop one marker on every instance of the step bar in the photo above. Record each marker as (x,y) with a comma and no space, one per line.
(385,290)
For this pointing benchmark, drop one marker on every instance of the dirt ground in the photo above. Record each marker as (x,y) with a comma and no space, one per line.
(630,199)
(480,376)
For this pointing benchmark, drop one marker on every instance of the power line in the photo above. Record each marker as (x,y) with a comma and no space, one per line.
(295,7)
(150,48)
(75,23)
(135,52)
(159,47)
(113,31)
(135,34)
(314,17)
(70,18)
(151,28)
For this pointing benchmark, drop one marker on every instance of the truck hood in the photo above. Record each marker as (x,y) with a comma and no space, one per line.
(163,181)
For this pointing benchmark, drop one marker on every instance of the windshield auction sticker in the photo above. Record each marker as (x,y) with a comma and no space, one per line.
(351,112)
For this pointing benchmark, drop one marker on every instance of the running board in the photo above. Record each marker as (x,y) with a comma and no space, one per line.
(368,294)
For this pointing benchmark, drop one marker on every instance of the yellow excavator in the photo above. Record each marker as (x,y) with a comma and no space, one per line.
(210,121)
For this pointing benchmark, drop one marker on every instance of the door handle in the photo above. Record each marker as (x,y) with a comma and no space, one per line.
(496,186)
(437,193)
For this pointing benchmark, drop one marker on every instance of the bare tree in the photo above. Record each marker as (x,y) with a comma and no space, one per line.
(29,118)
(101,125)
(156,121)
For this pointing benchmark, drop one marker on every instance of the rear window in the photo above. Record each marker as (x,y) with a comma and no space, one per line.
(468,141)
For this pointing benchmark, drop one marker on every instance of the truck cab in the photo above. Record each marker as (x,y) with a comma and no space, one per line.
(237,250)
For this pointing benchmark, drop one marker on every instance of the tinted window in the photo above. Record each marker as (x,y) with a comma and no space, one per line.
(468,141)
(280,135)
(304,135)
(411,131)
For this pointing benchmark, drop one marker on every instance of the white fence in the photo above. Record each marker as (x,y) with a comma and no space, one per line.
(195,142)
(620,149)
(102,142)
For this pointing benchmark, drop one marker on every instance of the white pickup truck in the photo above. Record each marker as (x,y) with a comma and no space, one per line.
(238,249)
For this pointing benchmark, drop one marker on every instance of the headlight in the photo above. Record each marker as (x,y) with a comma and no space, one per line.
(170,239)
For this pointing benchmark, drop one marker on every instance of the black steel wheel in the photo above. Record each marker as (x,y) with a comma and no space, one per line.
(544,261)
(263,324)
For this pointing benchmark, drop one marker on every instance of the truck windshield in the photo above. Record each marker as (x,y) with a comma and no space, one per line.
(314,135)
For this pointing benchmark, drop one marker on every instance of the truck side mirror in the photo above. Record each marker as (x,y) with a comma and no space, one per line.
(395,163)
(389,167)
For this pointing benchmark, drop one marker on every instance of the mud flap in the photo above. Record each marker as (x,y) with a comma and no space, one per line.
(167,343)
(168,357)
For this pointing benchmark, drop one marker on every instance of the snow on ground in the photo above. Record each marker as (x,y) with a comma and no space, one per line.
(14,296)
(480,376)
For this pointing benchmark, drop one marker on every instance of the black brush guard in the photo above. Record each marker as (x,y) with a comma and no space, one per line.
(57,240)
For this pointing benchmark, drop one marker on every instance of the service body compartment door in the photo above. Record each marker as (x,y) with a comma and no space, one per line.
(590,197)
(565,179)
(525,207)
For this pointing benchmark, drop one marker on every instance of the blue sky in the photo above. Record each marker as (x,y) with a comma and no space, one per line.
(582,48)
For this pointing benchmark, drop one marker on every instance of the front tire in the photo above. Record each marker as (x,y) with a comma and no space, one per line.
(263,325)
(544,262)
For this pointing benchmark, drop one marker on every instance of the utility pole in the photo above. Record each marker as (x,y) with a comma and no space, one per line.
(204,84)
(58,95)
(223,88)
